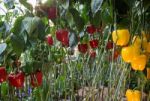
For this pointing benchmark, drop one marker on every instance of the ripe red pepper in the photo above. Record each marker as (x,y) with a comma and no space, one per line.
(49,40)
(36,78)
(82,48)
(3,74)
(94,43)
(109,45)
(52,12)
(91,29)
(62,35)
(16,80)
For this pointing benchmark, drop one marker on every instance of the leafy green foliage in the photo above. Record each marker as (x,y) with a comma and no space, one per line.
(79,22)
(2,47)
(107,14)
(73,39)
(18,44)
(96,5)
(17,28)
(9,4)
(26,4)
(34,27)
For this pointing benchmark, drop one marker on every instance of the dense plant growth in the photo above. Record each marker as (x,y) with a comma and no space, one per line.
(77,50)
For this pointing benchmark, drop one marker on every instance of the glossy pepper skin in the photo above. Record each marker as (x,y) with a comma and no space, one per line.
(82,48)
(140,42)
(36,79)
(129,52)
(3,74)
(121,37)
(49,40)
(133,95)
(139,62)
(16,80)
(62,35)
(91,29)
(94,43)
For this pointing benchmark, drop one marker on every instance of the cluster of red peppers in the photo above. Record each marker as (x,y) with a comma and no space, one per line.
(17,79)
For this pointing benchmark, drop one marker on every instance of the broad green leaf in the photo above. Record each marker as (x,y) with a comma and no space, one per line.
(17,44)
(79,22)
(34,27)
(26,4)
(17,28)
(73,39)
(28,67)
(4,88)
(30,24)
(96,20)
(95,5)
(107,14)
(2,47)
(9,4)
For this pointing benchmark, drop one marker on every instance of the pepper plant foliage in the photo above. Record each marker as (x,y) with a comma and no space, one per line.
(44,37)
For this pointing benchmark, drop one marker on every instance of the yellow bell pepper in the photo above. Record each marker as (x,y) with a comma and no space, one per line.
(121,37)
(129,52)
(137,41)
(133,95)
(139,62)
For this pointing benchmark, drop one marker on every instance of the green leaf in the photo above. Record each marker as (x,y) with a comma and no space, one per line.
(4,88)
(2,47)
(17,25)
(18,44)
(34,27)
(106,32)
(60,83)
(73,39)
(96,20)
(26,4)
(95,5)
(9,4)
(77,19)
(107,14)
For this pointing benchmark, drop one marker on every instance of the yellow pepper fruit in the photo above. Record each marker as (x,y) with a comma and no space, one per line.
(148,73)
(139,62)
(121,37)
(133,95)
(137,41)
(148,47)
(129,52)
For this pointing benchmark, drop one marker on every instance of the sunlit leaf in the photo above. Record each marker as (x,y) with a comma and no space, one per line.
(2,47)
(96,5)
